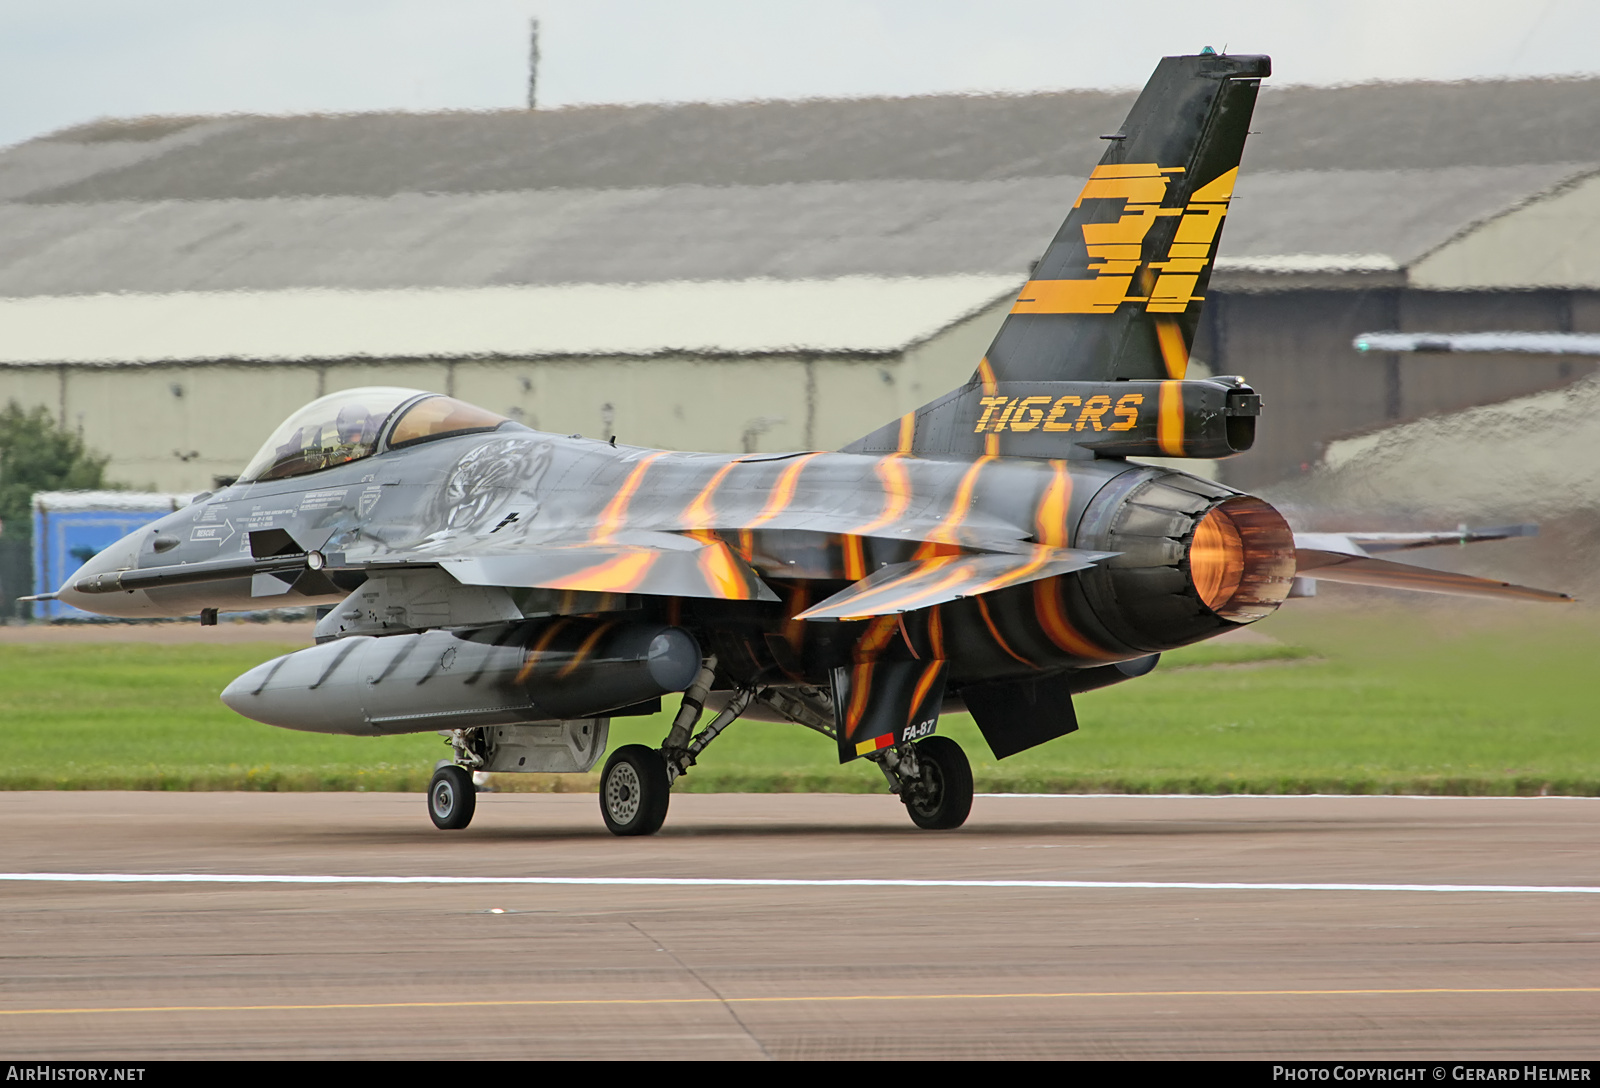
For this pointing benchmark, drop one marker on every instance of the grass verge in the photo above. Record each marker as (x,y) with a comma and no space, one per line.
(1342,702)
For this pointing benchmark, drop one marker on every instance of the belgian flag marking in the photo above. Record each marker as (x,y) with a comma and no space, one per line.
(874,744)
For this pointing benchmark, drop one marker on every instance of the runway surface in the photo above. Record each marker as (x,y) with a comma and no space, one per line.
(1092,927)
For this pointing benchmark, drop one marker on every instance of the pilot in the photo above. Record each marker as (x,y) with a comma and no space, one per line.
(356,426)
(356,430)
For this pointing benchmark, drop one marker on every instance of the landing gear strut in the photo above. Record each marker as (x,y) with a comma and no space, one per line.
(636,786)
(933,779)
(452,795)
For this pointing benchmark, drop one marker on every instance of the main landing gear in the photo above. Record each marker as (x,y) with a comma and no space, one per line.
(634,791)
(636,785)
(933,779)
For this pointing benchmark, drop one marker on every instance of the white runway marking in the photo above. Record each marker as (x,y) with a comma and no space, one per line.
(1284,797)
(779,882)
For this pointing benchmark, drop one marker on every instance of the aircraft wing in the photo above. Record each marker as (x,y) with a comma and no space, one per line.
(905,587)
(1348,558)
(671,564)
(666,564)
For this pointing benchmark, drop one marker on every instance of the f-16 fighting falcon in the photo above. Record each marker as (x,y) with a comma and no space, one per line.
(993,552)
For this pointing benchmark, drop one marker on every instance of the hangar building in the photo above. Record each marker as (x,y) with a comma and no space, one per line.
(755,276)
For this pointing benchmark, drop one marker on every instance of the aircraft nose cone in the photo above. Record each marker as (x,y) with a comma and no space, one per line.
(123,555)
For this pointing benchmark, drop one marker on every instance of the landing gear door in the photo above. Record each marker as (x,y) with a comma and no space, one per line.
(884,703)
(1016,715)
(569,747)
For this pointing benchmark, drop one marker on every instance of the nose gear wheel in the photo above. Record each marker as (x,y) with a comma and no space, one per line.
(452,799)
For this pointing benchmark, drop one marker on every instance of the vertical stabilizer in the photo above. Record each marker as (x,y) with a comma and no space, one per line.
(1118,293)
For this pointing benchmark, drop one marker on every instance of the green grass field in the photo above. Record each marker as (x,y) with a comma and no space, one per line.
(1487,700)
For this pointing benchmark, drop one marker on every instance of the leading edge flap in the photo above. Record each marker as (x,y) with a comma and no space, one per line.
(710,569)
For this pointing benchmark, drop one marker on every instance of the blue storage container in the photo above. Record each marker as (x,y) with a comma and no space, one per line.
(71,527)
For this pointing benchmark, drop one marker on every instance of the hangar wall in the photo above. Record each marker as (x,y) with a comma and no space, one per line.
(1474,212)
(1295,348)
(176,427)
(1542,243)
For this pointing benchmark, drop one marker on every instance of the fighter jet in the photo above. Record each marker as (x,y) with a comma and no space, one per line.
(995,551)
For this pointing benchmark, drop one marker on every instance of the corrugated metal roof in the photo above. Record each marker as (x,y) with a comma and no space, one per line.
(805,231)
(952,138)
(951,185)
(1400,214)
(948,137)
(851,315)
(817,230)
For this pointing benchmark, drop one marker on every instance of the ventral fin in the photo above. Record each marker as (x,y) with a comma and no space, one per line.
(883,703)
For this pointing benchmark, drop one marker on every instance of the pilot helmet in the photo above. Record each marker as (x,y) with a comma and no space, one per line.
(352,423)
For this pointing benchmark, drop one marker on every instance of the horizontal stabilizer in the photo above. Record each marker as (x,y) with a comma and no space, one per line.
(1373,543)
(906,587)
(689,568)
(1329,566)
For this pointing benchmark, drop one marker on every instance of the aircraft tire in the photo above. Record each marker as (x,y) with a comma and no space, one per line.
(634,791)
(452,798)
(948,777)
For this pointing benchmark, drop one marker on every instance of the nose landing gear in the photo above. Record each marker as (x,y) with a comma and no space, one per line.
(452,799)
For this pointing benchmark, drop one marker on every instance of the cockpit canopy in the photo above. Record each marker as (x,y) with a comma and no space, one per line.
(352,423)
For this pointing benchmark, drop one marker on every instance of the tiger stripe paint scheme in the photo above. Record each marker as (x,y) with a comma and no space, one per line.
(992,549)
(787,567)
(996,533)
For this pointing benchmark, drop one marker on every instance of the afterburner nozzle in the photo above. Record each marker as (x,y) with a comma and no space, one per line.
(1241,559)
